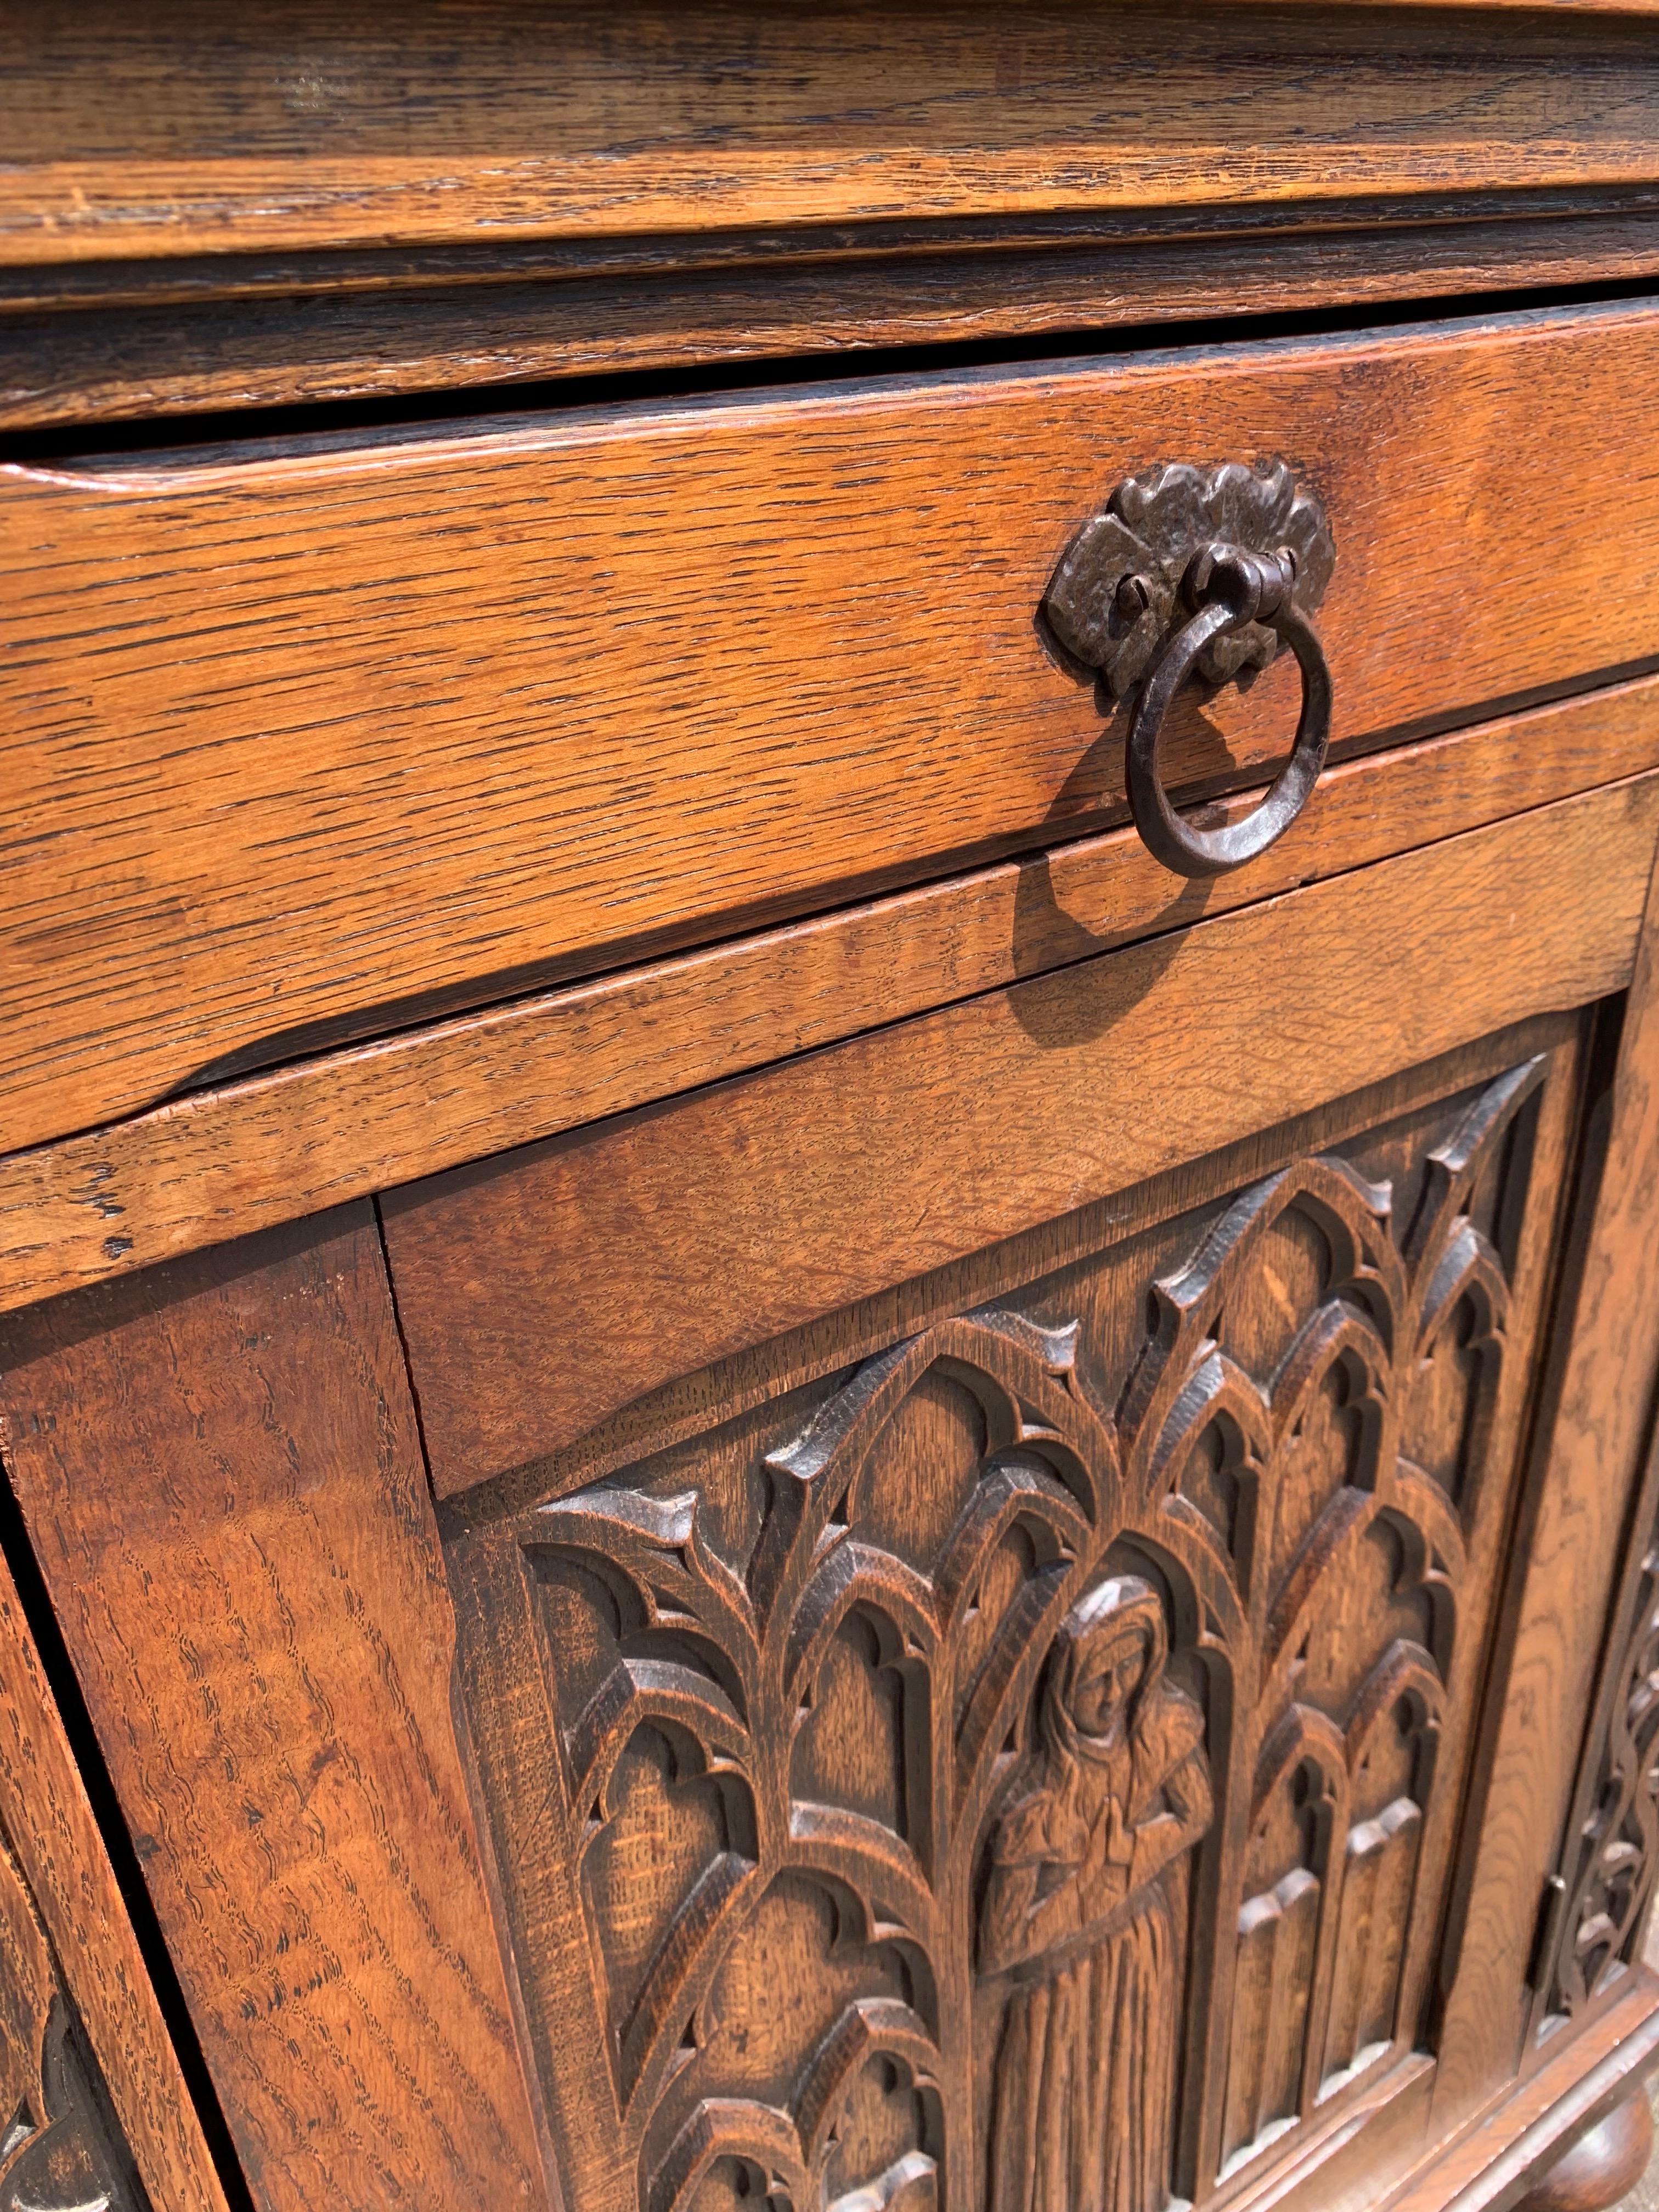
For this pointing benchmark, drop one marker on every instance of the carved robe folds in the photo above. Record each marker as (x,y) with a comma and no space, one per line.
(1087,1907)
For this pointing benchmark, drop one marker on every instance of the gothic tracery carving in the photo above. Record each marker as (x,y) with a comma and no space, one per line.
(1613,1864)
(997,1701)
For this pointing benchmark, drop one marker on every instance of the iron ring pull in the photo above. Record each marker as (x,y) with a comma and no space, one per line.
(1208,573)
(1229,587)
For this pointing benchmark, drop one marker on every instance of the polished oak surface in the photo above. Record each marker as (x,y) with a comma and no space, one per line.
(744,1474)
(95,2101)
(315,742)
(245,1155)
(265,1641)
(313,207)
(829,1178)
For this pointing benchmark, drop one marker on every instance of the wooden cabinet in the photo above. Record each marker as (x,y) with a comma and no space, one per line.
(791,1422)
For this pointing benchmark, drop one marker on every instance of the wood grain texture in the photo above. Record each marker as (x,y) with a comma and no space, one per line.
(1602,2166)
(1380,2134)
(96,342)
(1594,1420)
(319,741)
(295,125)
(223,1481)
(63,2149)
(51,1834)
(820,1181)
(276,1147)
(1489,2165)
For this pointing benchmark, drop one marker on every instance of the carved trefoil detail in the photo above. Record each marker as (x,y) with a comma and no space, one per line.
(1613,1862)
(1000,1788)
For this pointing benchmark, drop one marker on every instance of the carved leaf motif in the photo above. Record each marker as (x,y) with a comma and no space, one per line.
(1115,595)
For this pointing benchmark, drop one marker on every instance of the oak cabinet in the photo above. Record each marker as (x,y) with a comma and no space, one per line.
(1031,1754)
(793,1421)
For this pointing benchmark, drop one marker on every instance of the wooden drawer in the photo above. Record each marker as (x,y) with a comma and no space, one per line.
(304,741)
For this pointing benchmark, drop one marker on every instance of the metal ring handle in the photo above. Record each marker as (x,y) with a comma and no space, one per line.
(1190,851)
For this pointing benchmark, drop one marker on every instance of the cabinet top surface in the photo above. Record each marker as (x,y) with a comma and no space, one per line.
(292,127)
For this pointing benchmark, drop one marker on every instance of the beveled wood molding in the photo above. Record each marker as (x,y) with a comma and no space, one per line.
(1521,2133)
(835,182)
(109,341)
(851,114)
(247,1155)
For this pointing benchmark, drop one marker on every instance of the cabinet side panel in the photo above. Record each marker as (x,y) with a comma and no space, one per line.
(1593,1422)
(222,1476)
(59,1873)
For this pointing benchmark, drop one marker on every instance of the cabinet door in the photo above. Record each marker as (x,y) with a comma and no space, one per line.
(1012,1735)
(958,1652)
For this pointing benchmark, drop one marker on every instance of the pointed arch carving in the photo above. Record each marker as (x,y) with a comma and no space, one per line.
(1002,1689)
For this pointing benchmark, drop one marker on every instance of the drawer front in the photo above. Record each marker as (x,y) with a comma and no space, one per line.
(301,743)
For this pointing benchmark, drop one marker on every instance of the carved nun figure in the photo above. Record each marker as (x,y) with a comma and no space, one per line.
(1085,1914)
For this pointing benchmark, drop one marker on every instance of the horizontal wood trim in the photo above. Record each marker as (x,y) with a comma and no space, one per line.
(331,332)
(1489,2167)
(135,134)
(1352,2154)
(541,1291)
(273,1147)
(55,211)
(309,743)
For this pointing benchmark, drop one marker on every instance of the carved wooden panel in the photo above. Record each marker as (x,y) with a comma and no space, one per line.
(1605,1888)
(1021,1768)
(61,2146)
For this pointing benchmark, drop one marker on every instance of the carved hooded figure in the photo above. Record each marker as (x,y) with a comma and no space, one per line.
(1084,1914)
